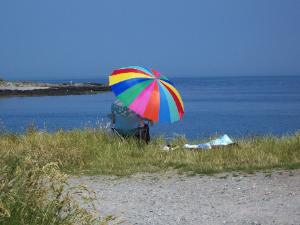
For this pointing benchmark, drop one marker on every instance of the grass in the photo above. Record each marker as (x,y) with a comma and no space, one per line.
(95,152)
(34,194)
(33,168)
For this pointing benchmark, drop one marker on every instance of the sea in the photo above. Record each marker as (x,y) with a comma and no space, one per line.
(239,106)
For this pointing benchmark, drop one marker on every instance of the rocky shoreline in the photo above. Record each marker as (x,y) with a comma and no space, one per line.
(24,88)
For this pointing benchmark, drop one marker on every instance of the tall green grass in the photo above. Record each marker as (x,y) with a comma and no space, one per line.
(95,152)
(34,194)
(34,190)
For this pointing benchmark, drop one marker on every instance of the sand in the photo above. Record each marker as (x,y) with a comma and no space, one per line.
(170,198)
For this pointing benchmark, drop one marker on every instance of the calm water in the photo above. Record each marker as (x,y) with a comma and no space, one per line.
(238,106)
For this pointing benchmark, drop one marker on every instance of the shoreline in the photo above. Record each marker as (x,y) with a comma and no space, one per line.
(28,89)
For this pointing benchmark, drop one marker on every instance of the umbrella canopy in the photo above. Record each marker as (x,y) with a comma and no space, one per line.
(147,93)
(118,108)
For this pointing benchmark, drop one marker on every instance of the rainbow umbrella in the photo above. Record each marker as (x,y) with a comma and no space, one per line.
(147,93)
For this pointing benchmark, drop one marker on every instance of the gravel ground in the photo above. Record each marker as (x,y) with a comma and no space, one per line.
(262,198)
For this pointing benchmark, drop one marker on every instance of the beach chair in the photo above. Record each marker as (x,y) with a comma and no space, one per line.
(126,124)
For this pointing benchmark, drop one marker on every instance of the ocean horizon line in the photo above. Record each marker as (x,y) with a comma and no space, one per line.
(102,78)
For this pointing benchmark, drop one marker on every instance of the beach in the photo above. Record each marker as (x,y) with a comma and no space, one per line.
(254,182)
(150,112)
(227,198)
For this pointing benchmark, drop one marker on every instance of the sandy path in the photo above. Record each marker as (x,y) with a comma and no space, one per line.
(180,199)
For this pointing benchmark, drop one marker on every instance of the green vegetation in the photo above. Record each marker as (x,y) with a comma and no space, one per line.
(35,194)
(95,152)
(33,186)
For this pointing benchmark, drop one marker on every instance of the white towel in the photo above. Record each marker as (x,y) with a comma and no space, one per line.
(221,141)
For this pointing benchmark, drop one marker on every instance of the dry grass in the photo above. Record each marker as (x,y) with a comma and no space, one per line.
(34,190)
(34,194)
(95,152)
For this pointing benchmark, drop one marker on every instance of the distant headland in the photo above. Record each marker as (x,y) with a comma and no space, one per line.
(29,88)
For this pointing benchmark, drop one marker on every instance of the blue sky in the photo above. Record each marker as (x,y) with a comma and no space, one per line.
(62,39)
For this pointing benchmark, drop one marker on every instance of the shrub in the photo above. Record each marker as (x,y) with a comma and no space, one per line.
(36,194)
